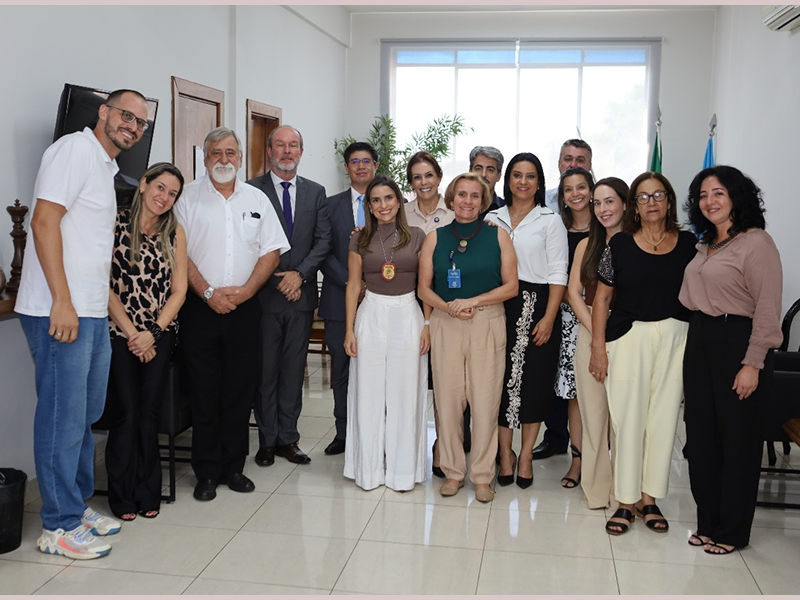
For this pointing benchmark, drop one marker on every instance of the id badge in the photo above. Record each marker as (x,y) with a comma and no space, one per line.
(454,278)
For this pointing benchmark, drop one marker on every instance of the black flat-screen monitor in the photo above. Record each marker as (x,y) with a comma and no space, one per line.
(78,109)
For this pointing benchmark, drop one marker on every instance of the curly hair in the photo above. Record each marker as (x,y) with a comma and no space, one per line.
(747,204)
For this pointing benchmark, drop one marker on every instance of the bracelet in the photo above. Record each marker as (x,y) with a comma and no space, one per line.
(155,330)
(426,322)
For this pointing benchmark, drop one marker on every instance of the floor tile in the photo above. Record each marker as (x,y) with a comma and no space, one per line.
(512,573)
(28,551)
(428,525)
(666,578)
(547,497)
(204,586)
(294,560)
(325,478)
(427,492)
(771,558)
(229,510)
(317,427)
(73,580)
(386,568)
(26,577)
(547,533)
(313,516)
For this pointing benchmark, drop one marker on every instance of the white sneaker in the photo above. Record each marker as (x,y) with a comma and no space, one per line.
(79,543)
(98,524)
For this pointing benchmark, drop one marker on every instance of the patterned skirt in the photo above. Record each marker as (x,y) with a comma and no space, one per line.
(528,393)
(565,381)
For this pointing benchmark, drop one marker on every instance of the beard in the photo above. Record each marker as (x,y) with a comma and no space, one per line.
(223,173)
(117,139)
(286,167)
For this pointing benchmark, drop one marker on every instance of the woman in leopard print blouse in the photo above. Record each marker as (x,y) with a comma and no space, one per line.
(148,287)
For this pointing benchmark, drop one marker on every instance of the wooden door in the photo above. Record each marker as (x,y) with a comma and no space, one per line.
(196,110)
(261,120)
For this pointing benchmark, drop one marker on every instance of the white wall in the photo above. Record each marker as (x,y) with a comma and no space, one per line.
(756,95)
(236,49)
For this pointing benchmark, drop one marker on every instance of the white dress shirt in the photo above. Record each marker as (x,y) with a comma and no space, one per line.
(226,237)
(551,200)
(277,182)
(540,242)
(354,195)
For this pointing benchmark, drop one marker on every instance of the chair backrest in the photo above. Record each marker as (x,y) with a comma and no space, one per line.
(786,326)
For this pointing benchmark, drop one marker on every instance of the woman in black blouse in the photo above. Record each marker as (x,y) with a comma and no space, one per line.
(638,349)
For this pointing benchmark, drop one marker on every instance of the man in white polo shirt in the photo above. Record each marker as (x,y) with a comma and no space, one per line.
(63,308)
(234,242)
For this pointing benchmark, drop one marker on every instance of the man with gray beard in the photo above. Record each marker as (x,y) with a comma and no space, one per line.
(234,241)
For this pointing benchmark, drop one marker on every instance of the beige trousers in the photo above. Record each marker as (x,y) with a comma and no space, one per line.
(468,368)
(645,387)
(597,479)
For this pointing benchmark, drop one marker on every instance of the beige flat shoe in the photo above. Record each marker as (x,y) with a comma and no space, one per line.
(451,487)
(484,494)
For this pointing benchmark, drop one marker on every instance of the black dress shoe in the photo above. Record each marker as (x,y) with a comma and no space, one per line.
(335,447)
(265,456)
(205,490)
(293,454)
(545,450)
(238,482)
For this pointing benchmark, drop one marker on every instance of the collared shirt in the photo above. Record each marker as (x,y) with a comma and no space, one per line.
(540,241)
(226,237)
(277,182)
(77,173)
(354,194)
(438,217)
(551,200)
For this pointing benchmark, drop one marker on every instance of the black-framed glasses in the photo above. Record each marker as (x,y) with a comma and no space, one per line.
(129,117)
(658,196)
(364,161)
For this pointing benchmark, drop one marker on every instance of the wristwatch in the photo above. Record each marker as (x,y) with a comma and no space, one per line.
(207,294)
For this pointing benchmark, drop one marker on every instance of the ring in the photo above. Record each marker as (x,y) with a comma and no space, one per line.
(58,334)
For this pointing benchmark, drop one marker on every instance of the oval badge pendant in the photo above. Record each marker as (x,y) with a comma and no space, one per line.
(462,246)
(388,271)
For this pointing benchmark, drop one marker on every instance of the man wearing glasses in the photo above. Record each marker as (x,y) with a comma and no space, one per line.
(346,211)
(63,308)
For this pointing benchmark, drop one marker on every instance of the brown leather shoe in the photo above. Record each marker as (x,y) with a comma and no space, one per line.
(265,456)
(293,454)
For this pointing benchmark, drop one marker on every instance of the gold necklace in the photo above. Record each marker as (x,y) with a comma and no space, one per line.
(655,246)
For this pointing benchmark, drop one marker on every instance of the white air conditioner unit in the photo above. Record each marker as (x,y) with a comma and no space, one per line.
(781,18)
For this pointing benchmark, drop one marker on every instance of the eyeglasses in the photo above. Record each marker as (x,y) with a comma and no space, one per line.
(658,196)
(129,117)
(364,161)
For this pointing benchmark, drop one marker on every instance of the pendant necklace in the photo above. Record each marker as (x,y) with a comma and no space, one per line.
(655,246)
(718,245)
(463,241)
(388,269)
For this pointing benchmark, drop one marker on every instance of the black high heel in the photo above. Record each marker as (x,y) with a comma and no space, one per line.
(505,480)
(437,471)
(525,482)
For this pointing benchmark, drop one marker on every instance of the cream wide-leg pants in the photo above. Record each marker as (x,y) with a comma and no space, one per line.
(387,395)
(645,387)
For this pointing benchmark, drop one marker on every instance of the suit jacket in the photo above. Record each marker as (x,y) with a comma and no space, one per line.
(310,243)
(334,269)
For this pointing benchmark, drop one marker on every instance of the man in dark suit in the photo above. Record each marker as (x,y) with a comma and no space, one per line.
(346,210)
(289,298)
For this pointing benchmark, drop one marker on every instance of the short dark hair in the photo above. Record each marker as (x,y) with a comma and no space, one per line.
(360,147)
(566,215)
(575,143)
(117,95)
(747,204)
(630,224)
(538,199)
(421,157)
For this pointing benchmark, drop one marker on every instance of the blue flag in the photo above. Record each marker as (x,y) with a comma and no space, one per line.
(708,161)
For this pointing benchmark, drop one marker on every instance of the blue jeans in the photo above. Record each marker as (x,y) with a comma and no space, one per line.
(71,381)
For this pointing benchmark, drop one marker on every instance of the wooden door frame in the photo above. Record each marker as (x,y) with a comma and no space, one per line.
(254,108)
(195,91)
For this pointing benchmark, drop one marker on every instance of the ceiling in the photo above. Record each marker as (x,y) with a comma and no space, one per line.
(528,6)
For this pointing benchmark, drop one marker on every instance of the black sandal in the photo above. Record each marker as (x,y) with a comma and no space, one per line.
(144,514)
(721,547)
(569,480)
(622,513)
(694,538)
(652,509)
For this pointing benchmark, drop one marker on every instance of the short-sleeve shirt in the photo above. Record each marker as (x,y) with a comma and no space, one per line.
(405,260)
(77,173)
(225,237)
(646,285)
(479,265)
(438,217)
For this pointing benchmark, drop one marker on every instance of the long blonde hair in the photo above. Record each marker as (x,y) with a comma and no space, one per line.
(167,223)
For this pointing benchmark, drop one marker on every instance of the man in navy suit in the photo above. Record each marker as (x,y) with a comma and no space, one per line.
(346,211)
(289,298)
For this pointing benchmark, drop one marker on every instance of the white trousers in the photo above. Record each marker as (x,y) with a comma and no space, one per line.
(645,387)
(387,395)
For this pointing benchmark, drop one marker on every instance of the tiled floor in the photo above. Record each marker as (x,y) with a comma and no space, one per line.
(307,530)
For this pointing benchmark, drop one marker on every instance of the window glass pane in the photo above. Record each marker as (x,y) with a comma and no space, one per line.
(422,94)
(616,56)
(486,57)
(614,120)
(425,57)
(548,115)
(549,57)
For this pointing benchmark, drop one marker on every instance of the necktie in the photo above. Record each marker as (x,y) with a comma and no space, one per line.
(287,208)
(360,220)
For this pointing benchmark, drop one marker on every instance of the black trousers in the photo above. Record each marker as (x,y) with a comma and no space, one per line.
(220,360)
(723,439)
(132,457)
(340,373)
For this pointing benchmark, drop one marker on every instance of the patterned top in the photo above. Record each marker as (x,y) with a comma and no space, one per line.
(143,294)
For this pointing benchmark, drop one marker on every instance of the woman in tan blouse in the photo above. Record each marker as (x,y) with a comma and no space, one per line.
(733,285)
(388,341)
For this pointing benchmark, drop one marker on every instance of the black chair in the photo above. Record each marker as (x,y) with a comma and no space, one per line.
(175,417)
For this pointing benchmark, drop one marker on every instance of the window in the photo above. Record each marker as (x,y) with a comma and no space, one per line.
(530,96)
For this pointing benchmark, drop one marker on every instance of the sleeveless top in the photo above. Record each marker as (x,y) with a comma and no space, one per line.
(479,265)
(142,289)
